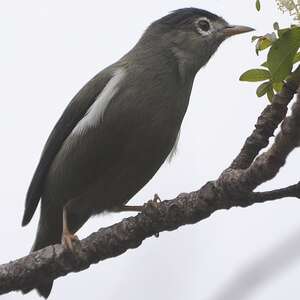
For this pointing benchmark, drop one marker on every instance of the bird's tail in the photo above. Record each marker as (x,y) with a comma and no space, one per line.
(49,233)
(44,288)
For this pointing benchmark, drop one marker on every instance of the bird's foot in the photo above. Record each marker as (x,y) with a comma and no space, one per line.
(68,239)
(156,198)
(153,202)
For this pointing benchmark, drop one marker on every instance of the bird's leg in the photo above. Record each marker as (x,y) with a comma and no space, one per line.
(138,208)
(123,208)
(67,237)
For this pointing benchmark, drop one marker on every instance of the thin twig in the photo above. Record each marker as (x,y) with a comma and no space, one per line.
(267,123)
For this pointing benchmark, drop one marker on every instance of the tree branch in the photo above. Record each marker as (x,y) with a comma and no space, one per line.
(233,188)
(55,261)
(267,165)
(266,124)
(290,191)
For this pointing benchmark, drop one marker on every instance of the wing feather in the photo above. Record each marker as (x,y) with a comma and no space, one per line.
(72,115)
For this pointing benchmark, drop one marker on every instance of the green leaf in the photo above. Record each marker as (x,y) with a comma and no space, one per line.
(263,88)
(270,94)
(258,6)
(281,32)
(296,58)
(277,86)
(263,44)
(265,41)
(254,75)
(265,64)
(282,54)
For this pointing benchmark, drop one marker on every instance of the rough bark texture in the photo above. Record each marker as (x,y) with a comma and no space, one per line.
(234,187)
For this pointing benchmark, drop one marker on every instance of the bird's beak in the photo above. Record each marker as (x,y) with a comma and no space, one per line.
(236,29)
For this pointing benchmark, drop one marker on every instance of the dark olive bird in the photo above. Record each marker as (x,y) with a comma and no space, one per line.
(121,126)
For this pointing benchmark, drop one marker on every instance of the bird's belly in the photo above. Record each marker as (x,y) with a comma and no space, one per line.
(127,174)
(107,175)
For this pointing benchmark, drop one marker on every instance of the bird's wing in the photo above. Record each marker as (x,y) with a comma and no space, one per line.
(74,112)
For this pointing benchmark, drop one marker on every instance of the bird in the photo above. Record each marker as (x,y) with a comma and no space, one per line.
(120,127)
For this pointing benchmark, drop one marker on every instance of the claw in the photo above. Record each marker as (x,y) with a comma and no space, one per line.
(156,198)
(68,239)
(155,201)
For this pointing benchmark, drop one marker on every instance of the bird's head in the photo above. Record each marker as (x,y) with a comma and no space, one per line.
(192,34)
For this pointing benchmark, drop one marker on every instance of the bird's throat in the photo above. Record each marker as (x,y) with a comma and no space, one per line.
(187,66)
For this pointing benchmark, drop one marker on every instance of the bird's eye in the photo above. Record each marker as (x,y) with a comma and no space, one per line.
(203,25)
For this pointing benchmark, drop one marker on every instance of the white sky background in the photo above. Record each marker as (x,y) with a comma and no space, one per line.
(49,49)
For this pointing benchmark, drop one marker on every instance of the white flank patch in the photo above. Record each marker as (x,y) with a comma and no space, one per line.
(95,113)
(174,149)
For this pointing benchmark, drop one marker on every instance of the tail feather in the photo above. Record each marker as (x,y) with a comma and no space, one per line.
(49,233)
(44,289)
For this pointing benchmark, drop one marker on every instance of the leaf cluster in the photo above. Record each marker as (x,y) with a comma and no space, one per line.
(283,46)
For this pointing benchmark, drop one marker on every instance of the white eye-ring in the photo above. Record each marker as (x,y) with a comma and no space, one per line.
(203,26)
